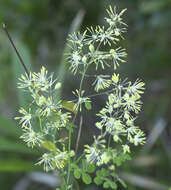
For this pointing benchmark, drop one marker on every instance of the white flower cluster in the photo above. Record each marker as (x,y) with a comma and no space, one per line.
(118,116)
(45,117)
(117,121)
(85,48)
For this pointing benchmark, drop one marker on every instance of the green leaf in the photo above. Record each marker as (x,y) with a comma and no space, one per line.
(77,174)
(98,172)
(104,172)
(70,127)
(84,164)
(124,184)
(49,145)
(86,178)
(88,105)
(14,165)
(106,184)
(113,185)
(122,158)
(91,168)
(68,105)
(63,187)
(98,180)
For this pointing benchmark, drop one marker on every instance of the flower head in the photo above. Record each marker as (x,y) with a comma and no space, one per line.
(31,137)
(102,82)
(26,117)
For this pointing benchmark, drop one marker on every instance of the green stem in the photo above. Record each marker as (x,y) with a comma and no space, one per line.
(82,78)
(69,164)
(69,149)
(79,158)
(69,143)
(80,94)
(40,121)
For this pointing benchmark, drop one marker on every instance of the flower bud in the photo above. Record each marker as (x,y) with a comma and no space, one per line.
(84,59)
(91,48)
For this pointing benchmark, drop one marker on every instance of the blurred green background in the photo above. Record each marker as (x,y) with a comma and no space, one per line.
(39,29)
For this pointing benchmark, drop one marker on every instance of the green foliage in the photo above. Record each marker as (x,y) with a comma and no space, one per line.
(17,165)
(77,173)
(103,176)
(91,168)
(86,178)
(88,105)
(45,118)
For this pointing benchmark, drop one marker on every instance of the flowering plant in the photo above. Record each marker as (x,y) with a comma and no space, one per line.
(47,117)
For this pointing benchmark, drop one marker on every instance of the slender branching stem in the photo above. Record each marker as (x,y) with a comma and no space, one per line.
(69,148)
(40,121)
(17,52)
(79,134)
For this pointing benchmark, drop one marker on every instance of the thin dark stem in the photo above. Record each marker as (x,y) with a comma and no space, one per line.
(79,134)
(13,45)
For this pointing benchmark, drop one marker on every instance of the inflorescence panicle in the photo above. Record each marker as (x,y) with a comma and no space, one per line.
(45,118)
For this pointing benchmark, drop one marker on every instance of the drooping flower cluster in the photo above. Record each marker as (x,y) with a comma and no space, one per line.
(44,118)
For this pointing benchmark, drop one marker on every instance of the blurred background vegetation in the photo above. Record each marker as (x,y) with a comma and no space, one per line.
(39,29)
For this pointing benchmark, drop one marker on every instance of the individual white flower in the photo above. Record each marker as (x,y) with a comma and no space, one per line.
(104,158)
(49,107)
(136,88)
(60,159)
(92,35)
(25,119)
(114,18)
(102,82)
(76,60)
(41,80)
(92,153)
(132,102)
(139,138)
(106,36)
(47,161)
(25,81)
(117,55)
(76,40)
(31,137)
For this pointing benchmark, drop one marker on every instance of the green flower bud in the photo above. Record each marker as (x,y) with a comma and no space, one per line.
(91,48)
(57,86)
(84,59)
